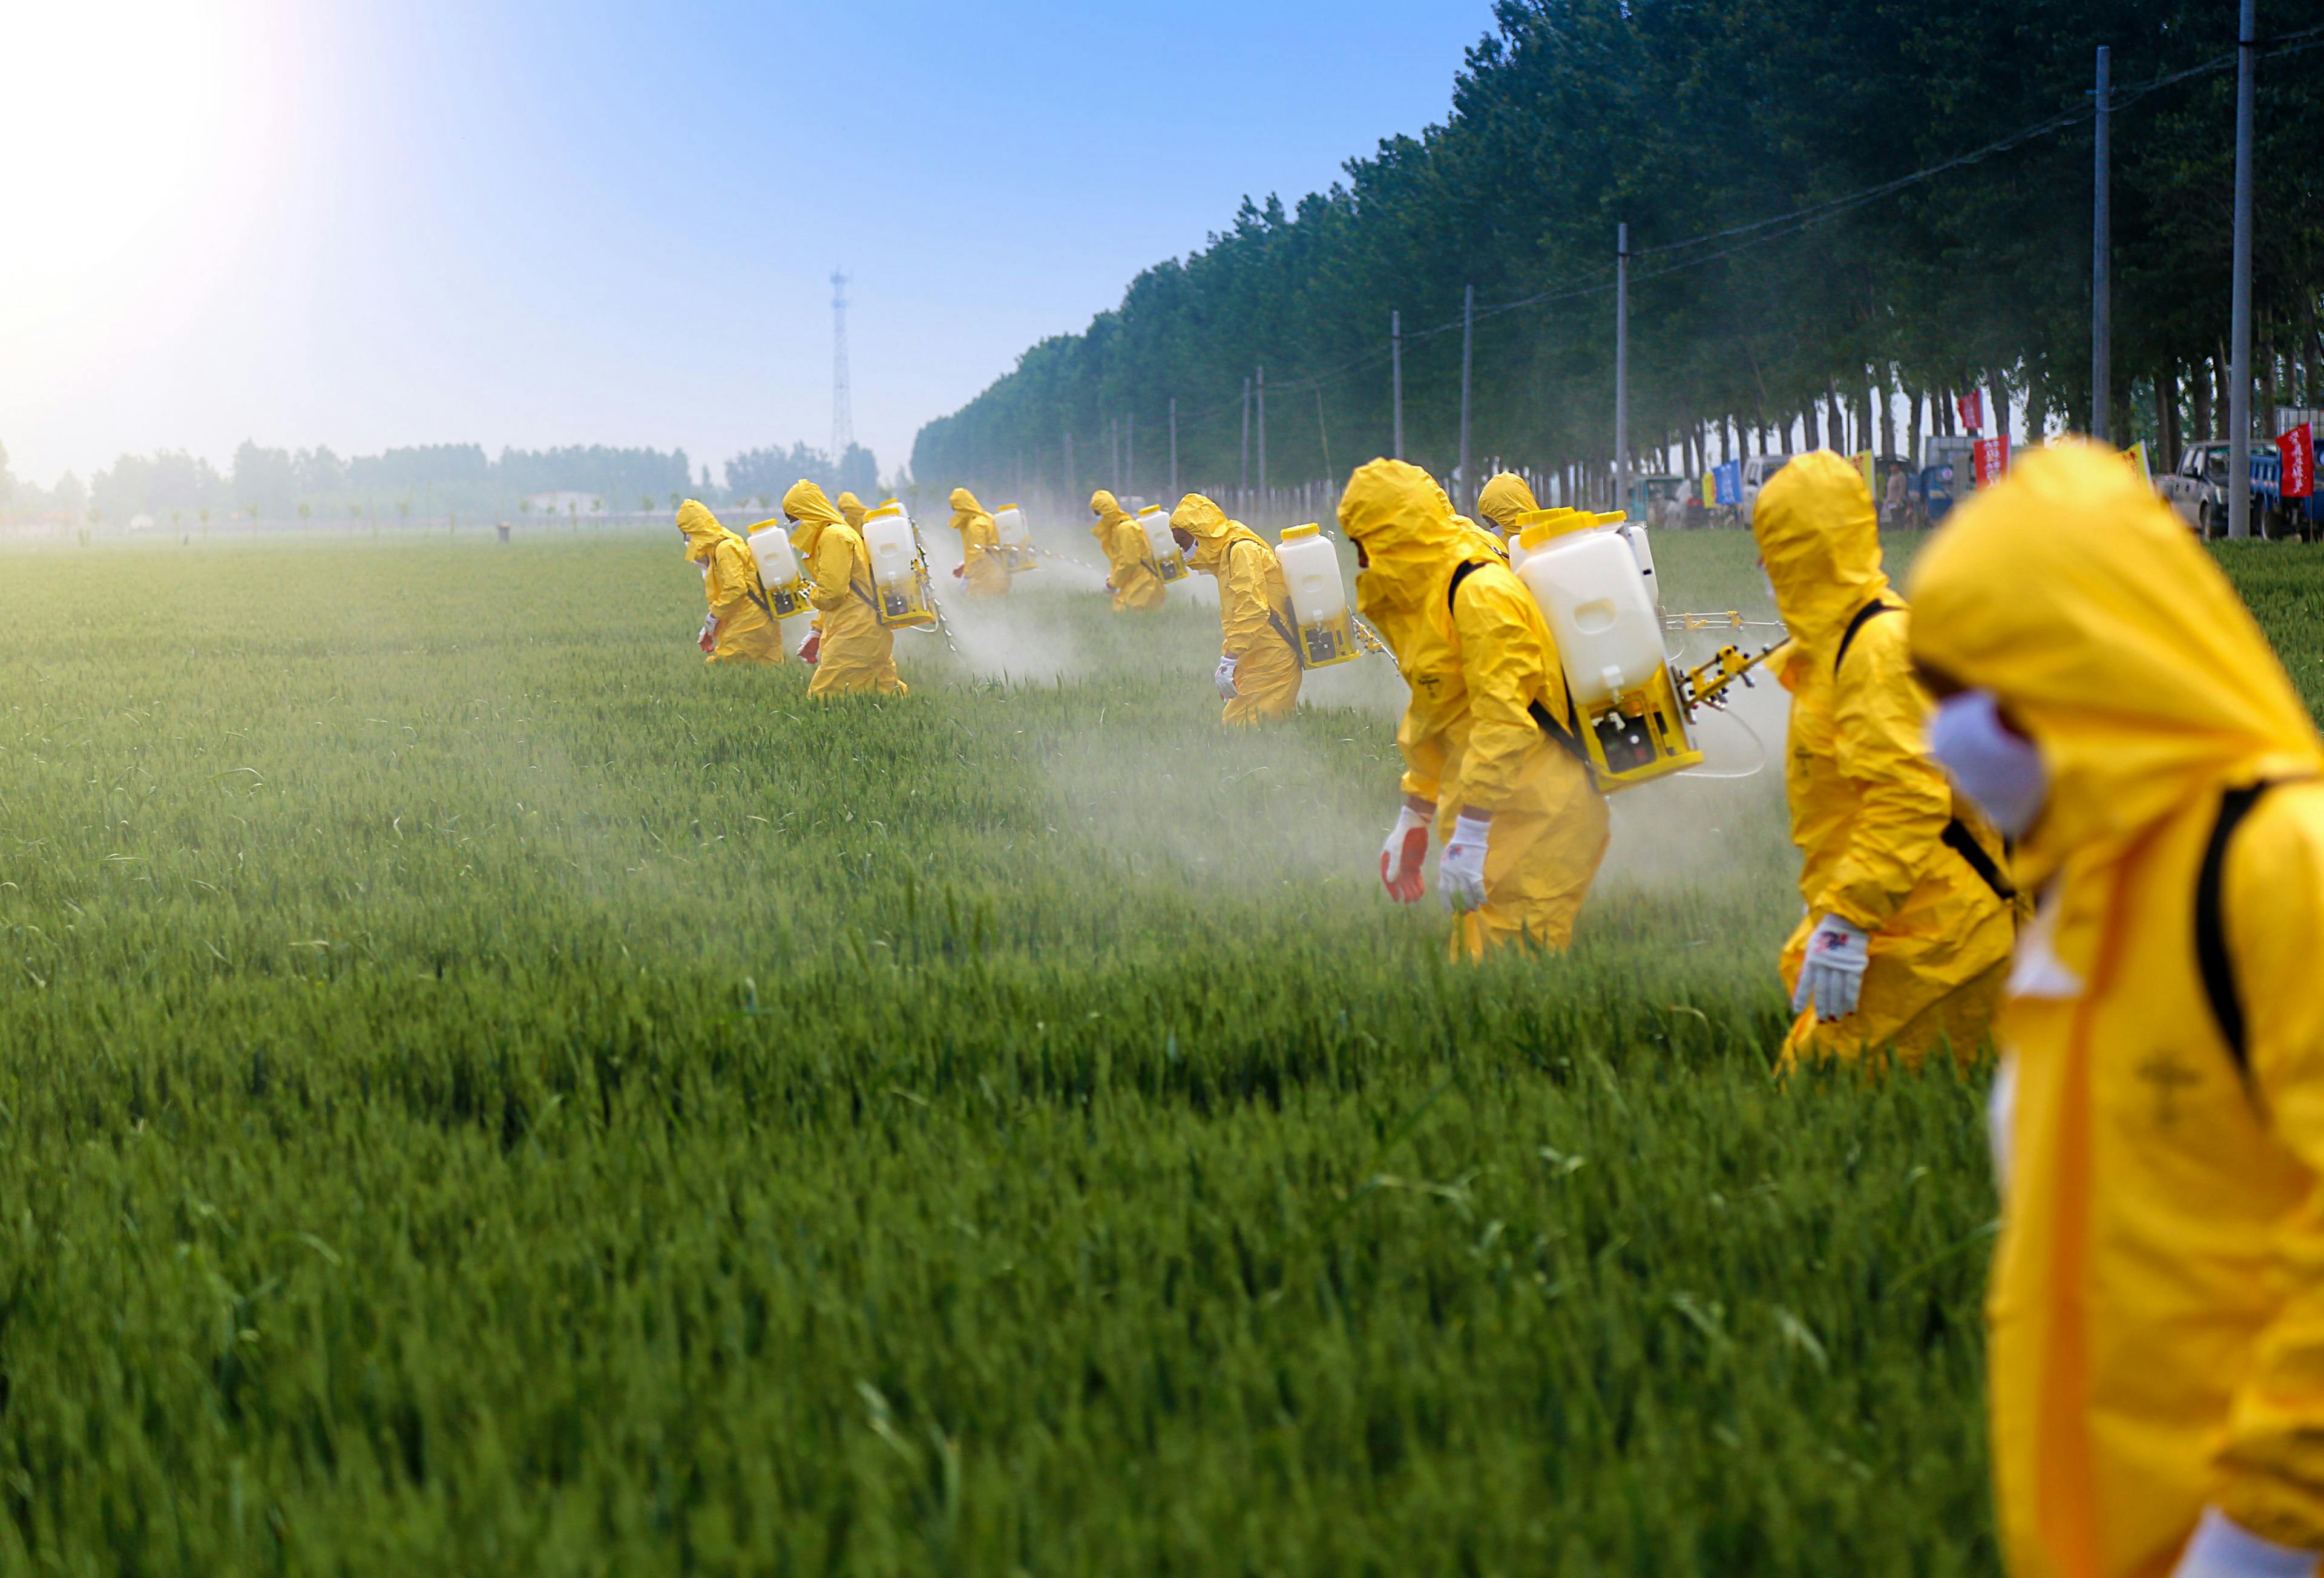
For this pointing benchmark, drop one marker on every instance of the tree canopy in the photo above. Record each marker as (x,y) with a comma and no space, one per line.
(1792,261)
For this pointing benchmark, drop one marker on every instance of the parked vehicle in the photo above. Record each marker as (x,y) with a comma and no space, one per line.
(1659,499)
(2197,487)
(1934,489)
(1755,470)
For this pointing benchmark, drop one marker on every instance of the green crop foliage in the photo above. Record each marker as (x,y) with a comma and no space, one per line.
(485,1094)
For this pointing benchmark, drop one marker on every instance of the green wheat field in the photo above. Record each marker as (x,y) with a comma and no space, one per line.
(481,1092)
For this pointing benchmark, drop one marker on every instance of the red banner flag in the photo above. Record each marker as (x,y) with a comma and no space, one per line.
(1971,407)
(2297,448)
(1992,457)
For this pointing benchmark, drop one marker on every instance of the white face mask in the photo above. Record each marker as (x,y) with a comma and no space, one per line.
(1992,764)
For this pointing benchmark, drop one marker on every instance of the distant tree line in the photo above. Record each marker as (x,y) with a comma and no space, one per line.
(429,481)
(1772,302)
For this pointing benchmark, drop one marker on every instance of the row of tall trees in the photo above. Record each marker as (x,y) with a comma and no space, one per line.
(1700,124)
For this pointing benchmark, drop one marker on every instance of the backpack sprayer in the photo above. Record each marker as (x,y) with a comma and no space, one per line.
(779,569)
(903,597)
(1016,554)
(1592,577)
(1327,631)
(1169,564)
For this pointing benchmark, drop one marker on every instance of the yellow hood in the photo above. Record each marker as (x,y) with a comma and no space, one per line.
(851,507)
(1108,511)
(2107,634)
(1213,532)
(806,504)
(703,532)
(963,505)
(1410,539)
(1820,540)
(1506,497)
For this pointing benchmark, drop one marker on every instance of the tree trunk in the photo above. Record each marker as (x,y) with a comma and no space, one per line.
(2200,400)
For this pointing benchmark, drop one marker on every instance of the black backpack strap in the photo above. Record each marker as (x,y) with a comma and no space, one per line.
(1547,721)
(1864,616)
(1962,842)
(2210,929)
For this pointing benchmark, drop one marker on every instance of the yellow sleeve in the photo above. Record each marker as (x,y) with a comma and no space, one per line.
(1127,545)
(1504,663)
(1880,742)
(2271,1465)
(834,570)
(978,537)
(1244,609)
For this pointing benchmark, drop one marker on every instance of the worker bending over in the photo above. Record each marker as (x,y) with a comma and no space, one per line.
(1133,577)
(2156,1314)
(852,508)
(1910,913)
(981,567)
(855,651)
(739,628)
(1505,497)
(1488,736)
(1258,665)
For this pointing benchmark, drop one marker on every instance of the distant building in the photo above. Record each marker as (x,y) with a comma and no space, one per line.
(565,501)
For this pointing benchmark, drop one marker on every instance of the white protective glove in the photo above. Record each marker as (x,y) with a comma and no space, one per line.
(1225,677)
(1460,869)
(1402,855)
(2223,1549)
(1832,972)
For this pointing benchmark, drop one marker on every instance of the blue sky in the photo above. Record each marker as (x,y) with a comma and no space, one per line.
(531,225)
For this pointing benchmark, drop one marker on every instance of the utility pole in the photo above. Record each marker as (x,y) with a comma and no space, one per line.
(1173,499)
(2101,261)
(843,417)
(1322,432)
(1242,482)
(1396,377)
(1262,431)
(2240,299)
(1466,488)
(1621,367)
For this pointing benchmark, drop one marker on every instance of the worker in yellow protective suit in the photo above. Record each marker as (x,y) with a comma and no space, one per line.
(1911,913)
(2155,1362)
(740,628)
(1505,497)
(856,651)
(1258,665)
(1133,577)
(852,510)
(982,566)
(1523,827)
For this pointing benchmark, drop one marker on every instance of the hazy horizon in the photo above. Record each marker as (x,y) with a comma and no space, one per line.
(523,226)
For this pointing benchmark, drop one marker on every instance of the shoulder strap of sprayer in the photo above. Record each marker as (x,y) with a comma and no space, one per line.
(1547,721)
(1864,616)
(1956,836)
(1272,616)
(2210,926)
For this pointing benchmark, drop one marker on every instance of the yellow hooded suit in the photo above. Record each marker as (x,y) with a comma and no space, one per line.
(1136,579)
(1477,659)
(2156,1313)
(1255,620)
(1880,832)
(981,567)
(747,630)
(858,652)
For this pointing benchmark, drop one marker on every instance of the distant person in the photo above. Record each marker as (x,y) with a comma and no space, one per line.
(854,651)
(1132,576)
(740,627)
(1257,674)
(2155,1353)
(1910,914)
(981,567)
(853,509)
(1524,826)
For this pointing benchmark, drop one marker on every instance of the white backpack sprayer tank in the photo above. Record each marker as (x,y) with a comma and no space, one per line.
(1319,597)
(1168,563)
(779,569)
(1594,594)
(1016,539)
(899,585)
